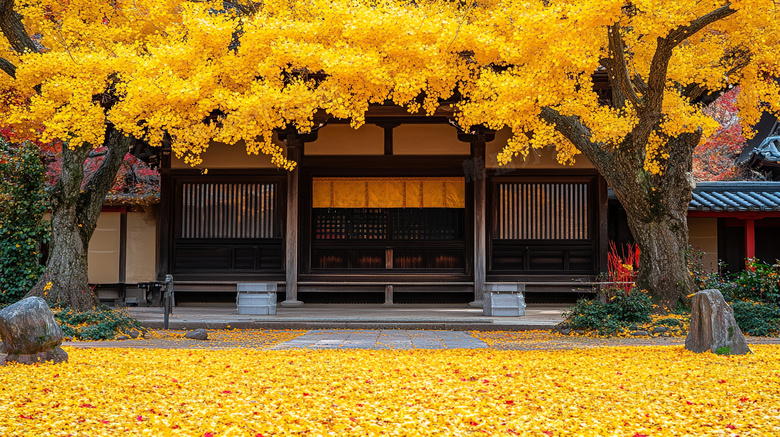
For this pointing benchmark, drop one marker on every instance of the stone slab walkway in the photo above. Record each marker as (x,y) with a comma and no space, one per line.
(383,339)
(351,317)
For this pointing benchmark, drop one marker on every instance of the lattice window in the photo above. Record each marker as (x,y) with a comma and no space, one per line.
(228,210)
(543,211)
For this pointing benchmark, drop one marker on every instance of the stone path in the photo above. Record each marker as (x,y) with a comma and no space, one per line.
(383,339)
(353,317)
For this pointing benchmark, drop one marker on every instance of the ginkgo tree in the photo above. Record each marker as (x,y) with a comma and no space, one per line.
(108,71)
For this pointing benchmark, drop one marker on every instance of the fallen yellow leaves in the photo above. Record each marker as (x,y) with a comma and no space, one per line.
(223,338)
(245,392)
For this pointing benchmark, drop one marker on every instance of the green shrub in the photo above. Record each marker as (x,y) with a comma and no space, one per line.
(634,307)
(23,202)
(756,318)
(758,283)
(103,324)
(614,316)
(586,314)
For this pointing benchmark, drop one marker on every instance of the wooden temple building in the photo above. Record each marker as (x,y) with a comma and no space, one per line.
(405,209)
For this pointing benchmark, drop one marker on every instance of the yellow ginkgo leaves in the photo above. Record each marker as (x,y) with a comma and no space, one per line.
(246,392)
(208,70)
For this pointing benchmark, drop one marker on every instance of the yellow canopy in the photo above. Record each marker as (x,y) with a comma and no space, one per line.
(389,192)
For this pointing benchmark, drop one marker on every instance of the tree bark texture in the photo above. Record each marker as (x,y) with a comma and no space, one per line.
(75,207)
(13,29)
(657,211)
(656,205)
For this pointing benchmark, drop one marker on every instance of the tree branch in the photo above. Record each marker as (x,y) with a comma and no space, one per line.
(250,8)
(682,33)
(579,135)
(619,68)
(663,53)
(697,93)
(8,67)
(13,29)
(91,197)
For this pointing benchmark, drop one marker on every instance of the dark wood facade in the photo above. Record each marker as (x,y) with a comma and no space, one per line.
(224,226)
(530,225)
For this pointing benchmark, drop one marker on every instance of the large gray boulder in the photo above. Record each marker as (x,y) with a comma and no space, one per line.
(30,333)
(713,327)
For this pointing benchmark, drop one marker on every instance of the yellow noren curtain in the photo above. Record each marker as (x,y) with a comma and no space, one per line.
(389,192)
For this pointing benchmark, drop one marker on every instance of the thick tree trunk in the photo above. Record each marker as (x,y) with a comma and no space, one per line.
(65,282)
(74,217)
(663,265)
(657,211)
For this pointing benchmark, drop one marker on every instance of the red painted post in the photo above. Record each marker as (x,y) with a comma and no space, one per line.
(750,238)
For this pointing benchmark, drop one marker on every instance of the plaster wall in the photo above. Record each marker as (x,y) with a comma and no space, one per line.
(703,236)
(536,159)
(141,246)
(428,139)
(103,256)
(221,155)
(341,139)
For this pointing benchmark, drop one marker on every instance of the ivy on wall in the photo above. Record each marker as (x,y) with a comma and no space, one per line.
(23,203)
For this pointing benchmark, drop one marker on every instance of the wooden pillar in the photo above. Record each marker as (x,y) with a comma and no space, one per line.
(294,141)
(165,218)
(750,238)
(388,127)
(123,254)
(294,146)
(603,225)
(476,174)
(480,191)
(388,294)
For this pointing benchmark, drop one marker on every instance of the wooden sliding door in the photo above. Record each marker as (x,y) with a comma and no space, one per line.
(544,226)
(227,226)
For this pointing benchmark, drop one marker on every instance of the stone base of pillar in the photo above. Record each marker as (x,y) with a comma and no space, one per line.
(291,304)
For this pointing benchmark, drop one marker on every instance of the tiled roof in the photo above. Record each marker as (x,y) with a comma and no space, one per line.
(734,196)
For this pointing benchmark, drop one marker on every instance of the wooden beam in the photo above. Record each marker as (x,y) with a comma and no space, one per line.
(388,128)
(123,254)
(294,153)
(395,165)
(445,111)
(121,209)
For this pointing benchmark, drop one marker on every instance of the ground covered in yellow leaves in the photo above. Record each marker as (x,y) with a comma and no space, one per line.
(245,392)
(221,338)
